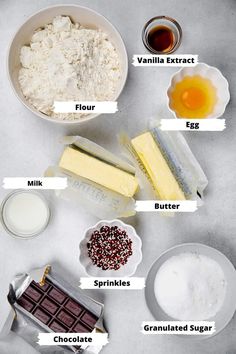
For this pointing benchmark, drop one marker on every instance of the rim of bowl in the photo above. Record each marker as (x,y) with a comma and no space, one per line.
(109,222)
(181,245)
(34,110)
(208,66)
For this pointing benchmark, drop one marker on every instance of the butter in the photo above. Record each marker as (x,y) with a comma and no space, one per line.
(157,168)
(98,171)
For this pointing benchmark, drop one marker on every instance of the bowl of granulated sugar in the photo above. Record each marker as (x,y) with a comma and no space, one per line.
(192,282)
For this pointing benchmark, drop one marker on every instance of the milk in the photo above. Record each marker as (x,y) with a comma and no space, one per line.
(25,213)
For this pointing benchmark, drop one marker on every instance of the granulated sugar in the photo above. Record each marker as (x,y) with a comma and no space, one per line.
(190,287)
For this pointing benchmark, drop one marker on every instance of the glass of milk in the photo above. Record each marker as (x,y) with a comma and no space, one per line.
(25,214)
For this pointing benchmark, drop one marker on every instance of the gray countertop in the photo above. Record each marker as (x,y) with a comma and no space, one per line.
(29,145)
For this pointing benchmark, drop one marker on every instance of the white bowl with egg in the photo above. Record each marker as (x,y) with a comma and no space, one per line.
(208,72)
(125,270)
(228,305)
(84,16)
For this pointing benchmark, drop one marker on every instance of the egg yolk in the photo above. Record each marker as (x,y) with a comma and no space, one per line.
(193,98)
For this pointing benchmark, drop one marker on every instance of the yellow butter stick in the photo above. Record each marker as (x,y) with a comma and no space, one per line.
(100,172)
(158,170)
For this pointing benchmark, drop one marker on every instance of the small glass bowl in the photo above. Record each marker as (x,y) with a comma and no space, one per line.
(166,21)
(22,235)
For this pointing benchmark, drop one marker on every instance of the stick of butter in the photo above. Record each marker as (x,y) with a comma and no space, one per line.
(95,170)
(157,169)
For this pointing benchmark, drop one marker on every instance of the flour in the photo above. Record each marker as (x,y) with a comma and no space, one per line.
(190,287)
(65,61)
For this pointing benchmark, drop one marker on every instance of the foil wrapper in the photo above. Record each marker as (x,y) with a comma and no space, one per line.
(26,326)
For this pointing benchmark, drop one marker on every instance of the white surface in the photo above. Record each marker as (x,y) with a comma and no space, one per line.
(29,145)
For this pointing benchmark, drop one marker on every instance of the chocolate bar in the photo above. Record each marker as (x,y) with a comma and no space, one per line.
(56,309)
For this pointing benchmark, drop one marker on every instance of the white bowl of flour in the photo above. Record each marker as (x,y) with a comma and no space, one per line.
(192,282)
(66,53)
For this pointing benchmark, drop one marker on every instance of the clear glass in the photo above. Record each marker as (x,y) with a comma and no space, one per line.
(19,234)
(169,22)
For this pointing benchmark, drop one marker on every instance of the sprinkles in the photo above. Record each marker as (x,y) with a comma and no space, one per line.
(109,247)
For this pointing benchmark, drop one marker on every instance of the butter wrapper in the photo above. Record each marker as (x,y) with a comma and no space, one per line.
(180,163)
(92,195)
(96,199)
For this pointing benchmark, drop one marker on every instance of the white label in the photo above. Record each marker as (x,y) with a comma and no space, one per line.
(112,283)
(179,206)
(165,60)
(179,327)
(193,124)
(35,182)
(80,339)
(85,106)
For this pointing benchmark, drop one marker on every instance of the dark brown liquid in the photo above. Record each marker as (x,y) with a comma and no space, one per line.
(161,38)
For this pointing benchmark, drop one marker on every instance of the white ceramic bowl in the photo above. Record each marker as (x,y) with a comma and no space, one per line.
(211,73)
(87,18)
(133,261)
(226,313)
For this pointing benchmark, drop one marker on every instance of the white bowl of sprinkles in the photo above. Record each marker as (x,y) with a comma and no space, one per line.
(110,248)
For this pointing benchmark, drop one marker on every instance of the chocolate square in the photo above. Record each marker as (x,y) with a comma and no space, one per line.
(25,303)
(57,327)
(49,305)
(57,295)
(41,315)
(66,318)
(89,319)
(80,328)
(74,307)
(33,293)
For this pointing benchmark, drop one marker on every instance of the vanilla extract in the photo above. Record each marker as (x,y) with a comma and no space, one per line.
(155,59)
(161,39)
